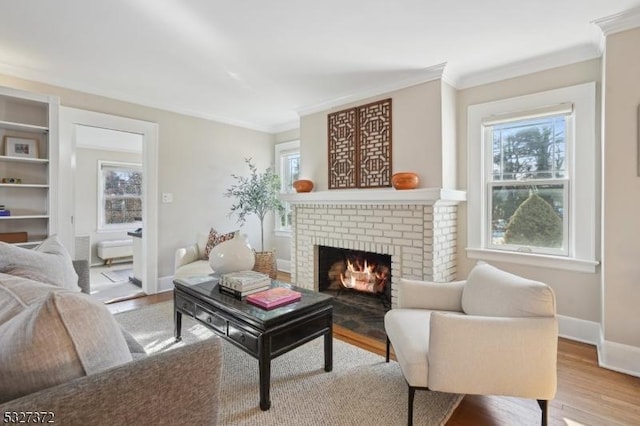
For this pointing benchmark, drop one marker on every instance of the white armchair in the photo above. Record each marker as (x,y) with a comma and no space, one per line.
(189,261)
(494,334)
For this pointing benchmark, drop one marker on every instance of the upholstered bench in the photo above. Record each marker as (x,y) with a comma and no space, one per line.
(113,249)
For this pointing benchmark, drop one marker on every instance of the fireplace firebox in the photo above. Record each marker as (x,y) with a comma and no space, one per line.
(342,271)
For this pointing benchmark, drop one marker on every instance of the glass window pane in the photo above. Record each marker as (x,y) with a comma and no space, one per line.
(529,149)
(528,215)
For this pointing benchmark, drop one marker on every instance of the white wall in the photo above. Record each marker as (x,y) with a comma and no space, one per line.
(195,160)
(621,195)
(416,136)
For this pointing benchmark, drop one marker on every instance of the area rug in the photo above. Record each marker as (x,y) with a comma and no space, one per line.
(361,389)
(119,275)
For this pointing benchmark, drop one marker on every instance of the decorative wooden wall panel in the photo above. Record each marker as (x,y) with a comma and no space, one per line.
(374,144)
(343,163)
(360,146)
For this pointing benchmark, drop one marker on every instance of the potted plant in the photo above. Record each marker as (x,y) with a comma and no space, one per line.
(258,195)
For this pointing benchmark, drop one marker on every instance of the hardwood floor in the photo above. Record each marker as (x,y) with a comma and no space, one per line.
(587,394)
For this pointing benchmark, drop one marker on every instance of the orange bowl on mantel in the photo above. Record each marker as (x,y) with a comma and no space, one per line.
(405,180)
(303,185)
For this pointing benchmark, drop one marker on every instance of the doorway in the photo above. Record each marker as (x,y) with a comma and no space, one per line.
(108,209)
(119,135)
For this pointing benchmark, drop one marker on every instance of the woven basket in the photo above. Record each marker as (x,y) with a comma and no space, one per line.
(266,263)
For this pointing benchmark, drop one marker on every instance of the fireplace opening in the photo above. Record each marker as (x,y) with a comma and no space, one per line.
(360,283)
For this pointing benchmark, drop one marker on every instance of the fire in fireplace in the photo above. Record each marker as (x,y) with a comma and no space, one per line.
(343,269)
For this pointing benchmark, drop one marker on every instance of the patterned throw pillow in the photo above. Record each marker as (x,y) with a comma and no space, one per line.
(215,238)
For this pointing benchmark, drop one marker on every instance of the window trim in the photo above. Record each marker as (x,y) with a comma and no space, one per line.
(102,226)
(281,149)
(583,177)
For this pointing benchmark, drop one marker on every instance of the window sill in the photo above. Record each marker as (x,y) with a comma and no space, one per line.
(283,233)
(540,260)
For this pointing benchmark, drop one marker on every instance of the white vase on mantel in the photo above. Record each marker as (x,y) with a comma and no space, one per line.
(232,255)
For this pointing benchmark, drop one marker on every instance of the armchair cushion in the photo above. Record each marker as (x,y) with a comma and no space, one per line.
(493,292)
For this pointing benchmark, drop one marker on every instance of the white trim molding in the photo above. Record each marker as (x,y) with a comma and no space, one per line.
(378,196)
(619,22)
(583,225)
(619,357)
(424,75)
(579,330)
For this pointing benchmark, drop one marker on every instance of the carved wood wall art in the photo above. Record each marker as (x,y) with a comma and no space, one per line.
(342,149)
(360,146)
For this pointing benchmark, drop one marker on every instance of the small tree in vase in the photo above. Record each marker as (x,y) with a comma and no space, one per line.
(257,194)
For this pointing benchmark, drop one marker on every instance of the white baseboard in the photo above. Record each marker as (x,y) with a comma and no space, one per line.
(579,330)
(284,265)
(611,355)
(165,284)
(619,357)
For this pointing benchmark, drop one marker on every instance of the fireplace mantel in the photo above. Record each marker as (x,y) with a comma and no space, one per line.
(421,196)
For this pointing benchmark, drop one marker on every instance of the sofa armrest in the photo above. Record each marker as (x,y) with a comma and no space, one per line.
(186,255)
(430,295)
(180,386)
(84,275)
(493,355)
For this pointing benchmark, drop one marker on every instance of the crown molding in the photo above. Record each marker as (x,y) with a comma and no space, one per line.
(622,21)
(283,127)
(528,66)
(425,75)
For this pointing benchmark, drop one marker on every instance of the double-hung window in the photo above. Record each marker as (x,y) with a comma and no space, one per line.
(288,161)
(120,195)
(528,181)
(532,189)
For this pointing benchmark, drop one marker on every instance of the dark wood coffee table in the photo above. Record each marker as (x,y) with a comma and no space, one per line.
(263,334)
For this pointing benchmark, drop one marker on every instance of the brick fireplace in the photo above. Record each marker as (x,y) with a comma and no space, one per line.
(416,228)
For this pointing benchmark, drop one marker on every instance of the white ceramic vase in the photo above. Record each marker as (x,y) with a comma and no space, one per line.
(232,255)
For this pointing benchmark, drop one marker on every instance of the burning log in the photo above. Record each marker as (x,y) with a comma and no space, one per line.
(366,278)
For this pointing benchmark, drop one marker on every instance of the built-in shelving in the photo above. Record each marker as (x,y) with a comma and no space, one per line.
(32,117)
(22,127)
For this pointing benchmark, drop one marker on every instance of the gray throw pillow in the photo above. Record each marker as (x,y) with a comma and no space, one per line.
(49,261)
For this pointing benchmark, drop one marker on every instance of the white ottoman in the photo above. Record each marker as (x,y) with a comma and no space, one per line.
(112,249)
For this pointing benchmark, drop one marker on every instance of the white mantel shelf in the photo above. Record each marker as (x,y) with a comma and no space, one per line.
(378,196)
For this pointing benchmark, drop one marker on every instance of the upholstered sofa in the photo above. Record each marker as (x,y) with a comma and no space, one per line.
(63,355)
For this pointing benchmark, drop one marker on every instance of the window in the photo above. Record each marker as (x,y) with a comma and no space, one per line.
(120,195)
(288,159)
(528,186)
(533,179)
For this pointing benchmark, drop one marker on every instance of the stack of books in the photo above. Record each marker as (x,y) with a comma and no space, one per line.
(243,283)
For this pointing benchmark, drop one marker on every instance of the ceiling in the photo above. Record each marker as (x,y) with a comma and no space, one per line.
(259,64)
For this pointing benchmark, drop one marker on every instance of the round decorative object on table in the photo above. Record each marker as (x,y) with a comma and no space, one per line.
(405,180)
(232,255)
(303,185)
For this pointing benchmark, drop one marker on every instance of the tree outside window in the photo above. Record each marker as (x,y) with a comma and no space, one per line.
(528,186)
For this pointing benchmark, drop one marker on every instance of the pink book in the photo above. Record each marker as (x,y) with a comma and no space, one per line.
(273,297)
